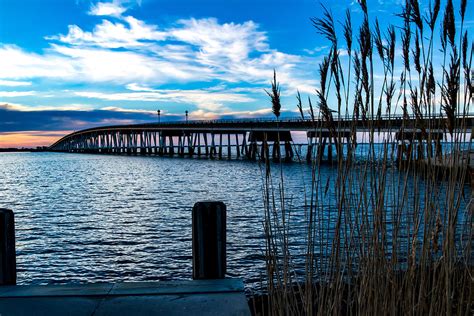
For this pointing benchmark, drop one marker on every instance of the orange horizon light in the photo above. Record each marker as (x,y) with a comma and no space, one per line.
(30,139)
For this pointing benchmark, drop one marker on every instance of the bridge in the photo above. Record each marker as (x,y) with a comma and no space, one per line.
(253,138)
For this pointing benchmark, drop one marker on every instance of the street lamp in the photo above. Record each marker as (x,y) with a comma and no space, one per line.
(186,115)
(159,112)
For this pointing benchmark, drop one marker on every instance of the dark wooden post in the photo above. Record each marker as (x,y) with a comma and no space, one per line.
(209,240)
(7,248)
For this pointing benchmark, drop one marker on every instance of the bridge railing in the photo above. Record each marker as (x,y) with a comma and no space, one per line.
(345,118)
(222,122)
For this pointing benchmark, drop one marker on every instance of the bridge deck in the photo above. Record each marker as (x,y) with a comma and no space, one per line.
(206,297)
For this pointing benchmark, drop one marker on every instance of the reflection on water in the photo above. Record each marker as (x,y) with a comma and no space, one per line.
(90,218)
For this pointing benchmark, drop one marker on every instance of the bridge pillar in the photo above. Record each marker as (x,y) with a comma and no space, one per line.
(330,151)
(161,144)
(212,151)
(206,149)
(265,151)
(171,146)
(416,145)
(276,155)
(288,152)
(229,147)
(309,153)
(181,146)
(199,144)
(237,145)
(253,151)
(190,145)
(220,146)
(321,148)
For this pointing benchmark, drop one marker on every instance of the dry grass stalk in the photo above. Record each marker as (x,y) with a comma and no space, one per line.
(386,234)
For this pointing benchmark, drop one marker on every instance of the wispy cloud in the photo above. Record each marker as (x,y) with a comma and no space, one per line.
(205,100)
(13,94)
(114,8)
(131,34)
(11,83)
(16,117)
(213,68)
(317,50)
(129,50)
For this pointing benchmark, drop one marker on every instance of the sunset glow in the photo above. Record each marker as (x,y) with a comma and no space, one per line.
(30,139)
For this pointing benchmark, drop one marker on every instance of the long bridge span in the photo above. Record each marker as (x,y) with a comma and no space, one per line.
(252,138)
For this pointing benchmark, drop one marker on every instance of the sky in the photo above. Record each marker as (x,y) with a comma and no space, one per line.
(67,65)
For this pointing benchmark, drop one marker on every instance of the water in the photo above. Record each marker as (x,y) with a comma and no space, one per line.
(92,218)
(95,218)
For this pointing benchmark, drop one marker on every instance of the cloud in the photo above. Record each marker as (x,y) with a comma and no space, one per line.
(21,118)
(14,118)
(24,108)
(17,64)
(125,51)
(137,87)
(114,8)
(10,83)
(112,35)
(191,50)
(220,41)
(317,50)
(205,100)
(14,94)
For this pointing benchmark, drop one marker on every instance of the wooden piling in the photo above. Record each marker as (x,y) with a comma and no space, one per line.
(209,240)
(7,248)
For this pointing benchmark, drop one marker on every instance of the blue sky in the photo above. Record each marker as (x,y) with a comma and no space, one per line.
(85,63)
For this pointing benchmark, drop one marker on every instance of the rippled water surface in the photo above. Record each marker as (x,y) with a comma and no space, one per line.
(95,218)
(91,218)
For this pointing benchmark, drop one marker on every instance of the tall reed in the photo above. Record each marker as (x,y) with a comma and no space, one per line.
(389,232)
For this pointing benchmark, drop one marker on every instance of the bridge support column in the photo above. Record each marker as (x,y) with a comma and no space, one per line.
(265,151)
(253,150)
(229,147)
(244,145)
(288,152)
(309,153)
(171,146)
(330,151)
(237,145)
(198,135)
(321,148)
(181,146)
(220,146)
(212,151)
(206,148)
(275,152)
(161,146)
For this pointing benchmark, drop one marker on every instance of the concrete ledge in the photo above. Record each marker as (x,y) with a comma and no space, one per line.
(206,297)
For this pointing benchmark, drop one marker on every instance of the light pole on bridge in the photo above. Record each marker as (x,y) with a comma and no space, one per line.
(186,112)
(159,112)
